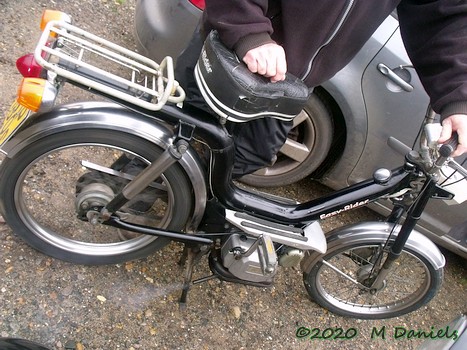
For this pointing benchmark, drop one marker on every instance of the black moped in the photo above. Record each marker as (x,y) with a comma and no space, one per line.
(107,182)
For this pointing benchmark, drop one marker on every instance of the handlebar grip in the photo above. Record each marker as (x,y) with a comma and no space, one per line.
(449,146)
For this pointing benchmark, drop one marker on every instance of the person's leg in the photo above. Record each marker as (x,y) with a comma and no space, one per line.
(184,71)
(257,143)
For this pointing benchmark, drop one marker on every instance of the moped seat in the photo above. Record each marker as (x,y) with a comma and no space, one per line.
(239,95)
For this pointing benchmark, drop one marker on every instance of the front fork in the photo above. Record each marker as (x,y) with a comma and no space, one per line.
(413,215)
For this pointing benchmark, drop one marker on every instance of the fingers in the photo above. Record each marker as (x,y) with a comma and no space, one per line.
(267,60)
(457,123)
(446,131)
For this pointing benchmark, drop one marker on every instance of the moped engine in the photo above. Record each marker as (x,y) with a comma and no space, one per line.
(250,259)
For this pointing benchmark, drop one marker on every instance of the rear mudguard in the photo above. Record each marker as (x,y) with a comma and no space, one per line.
(103,115)
(367,232)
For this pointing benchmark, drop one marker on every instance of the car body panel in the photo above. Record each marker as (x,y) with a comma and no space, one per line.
(168,26)
(346,91)
(373,107)
(454,337)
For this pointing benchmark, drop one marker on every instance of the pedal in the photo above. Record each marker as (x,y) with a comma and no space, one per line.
(311,237)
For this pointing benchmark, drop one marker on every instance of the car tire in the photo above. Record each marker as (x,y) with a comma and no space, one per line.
(307,146)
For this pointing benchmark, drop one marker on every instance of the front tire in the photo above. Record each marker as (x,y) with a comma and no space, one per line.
(412,283)
(40,191)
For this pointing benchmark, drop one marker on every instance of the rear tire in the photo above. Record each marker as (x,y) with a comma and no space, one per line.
(39,194)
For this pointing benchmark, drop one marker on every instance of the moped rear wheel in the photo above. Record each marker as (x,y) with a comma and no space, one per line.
(44,185)
(341,280)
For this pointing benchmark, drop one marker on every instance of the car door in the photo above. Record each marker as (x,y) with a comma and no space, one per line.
(396,104)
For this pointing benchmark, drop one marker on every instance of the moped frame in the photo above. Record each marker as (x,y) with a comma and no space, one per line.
(231,196)
(214,134)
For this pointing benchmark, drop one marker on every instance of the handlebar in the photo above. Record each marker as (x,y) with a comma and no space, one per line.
(436,160)
(446,150)
(449,146)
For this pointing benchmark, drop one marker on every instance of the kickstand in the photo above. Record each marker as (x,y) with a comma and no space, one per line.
(189,258)
(182,260)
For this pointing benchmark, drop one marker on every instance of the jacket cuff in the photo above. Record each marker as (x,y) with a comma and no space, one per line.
(454,108)
(251,41)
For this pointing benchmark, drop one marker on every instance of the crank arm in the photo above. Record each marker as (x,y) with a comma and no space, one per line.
(174,236)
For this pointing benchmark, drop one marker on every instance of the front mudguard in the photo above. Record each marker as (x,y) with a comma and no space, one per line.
(367,232)
(110,116)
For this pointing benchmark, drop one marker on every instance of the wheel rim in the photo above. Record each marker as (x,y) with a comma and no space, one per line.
(46,203)
(407,283)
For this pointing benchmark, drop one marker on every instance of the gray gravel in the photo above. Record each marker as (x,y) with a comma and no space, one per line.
(134,305)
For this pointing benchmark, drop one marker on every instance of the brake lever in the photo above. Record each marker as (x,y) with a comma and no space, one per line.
(457,167)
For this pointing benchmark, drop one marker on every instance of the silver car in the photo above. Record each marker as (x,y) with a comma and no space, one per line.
(358,121)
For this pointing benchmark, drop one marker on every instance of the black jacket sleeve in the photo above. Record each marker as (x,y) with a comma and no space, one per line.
(241,24)
(435,36)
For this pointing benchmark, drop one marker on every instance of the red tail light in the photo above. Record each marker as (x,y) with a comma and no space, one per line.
(28,67)
(198,3)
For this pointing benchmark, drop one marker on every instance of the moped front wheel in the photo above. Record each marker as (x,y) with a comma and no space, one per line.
(48,184)
(341,281)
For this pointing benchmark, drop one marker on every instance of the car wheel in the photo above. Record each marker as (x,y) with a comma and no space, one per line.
(307,145)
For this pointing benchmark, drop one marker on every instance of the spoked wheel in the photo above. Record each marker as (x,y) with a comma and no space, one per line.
(48,187)
(341,282)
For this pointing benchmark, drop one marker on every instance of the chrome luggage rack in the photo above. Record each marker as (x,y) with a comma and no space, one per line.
(91,61)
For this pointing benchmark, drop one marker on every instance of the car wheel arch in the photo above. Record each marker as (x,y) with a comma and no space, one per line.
(348,102)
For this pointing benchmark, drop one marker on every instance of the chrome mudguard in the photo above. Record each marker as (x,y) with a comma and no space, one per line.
(371,231)
(110,116)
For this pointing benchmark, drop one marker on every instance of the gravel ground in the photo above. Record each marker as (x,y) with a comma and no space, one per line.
(134,305)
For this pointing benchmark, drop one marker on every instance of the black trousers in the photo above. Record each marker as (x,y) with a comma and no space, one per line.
(256,142)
